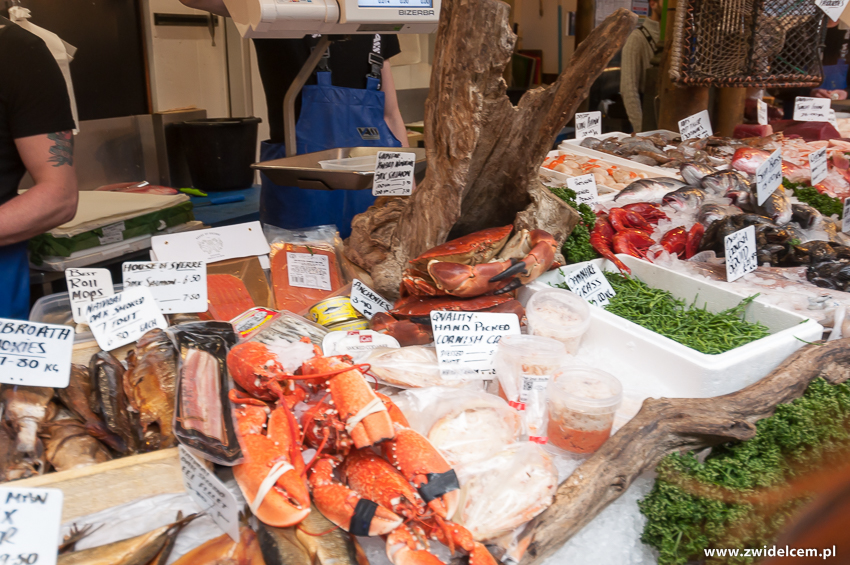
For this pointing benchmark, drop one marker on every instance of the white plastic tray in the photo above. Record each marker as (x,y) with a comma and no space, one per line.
(685,372)
(574,146)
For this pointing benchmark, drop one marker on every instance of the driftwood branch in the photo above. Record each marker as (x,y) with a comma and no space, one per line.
(665,426)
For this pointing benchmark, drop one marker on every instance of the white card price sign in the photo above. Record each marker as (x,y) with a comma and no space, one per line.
(740,247)
(832,8)
(585,189)
(832,119)
(367,301)
(179,287)
(769,176)
(123,318)
(214,244)
(29,530)
(85,285)
(34,354)
(588,124)
(589,283)
(467,341)
(761,109)
(817,164)
(393,174)
(845,224)
(811,109)
(698,125)
(210,494)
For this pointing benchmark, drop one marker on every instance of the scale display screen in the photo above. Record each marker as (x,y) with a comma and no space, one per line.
(394,3)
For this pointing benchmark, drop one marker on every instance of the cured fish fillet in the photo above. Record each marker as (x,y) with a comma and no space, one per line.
(227,296)
(201,398)
(299,299)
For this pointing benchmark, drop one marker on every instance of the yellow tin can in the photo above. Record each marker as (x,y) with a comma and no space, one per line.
(334,310)
(351,326)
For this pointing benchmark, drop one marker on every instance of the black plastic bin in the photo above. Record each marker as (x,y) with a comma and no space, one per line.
(220,151)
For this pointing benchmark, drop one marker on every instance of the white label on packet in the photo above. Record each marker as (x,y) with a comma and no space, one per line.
(845,223)
(308,271)
(589,283)
(832,8)
(698,125)
(85,285)
(585,189)
(769,176)
(467,341)
(34,354)
(123,318)
(358,344)
(178,287)
(210,494)
(367,301)
(531,383)
(740,247)
(29,530)
(113,233)
(811,109)
(817,164)
(588,124)
(393,174)
(761,110)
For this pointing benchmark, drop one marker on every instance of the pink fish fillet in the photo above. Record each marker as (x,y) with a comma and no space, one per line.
(201,398)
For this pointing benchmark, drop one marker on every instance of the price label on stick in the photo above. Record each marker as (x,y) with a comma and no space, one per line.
(845,224)
(698,125)
(123,318)
(811,109)
(210,494)
(393,174)
(29,532)
(740,247)
(466,341)
(832,8)
(85,285)
(588,124)
(769,176)
(832,119)
(589,283)
(585,189)
(817,164)
(367,301)
(761,108)
(177,287)
(34,354)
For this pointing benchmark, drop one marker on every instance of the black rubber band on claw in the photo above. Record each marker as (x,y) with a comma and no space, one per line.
(515,269)
(516,283)
(439,484)
(362,519)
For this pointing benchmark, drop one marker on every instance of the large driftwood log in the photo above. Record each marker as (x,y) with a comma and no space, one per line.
(483,153)
(668,425)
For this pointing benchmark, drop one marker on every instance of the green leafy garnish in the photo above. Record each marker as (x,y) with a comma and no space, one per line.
(823,203)
(577,246)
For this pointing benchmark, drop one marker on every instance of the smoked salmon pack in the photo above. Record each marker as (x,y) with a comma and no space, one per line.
(236,285)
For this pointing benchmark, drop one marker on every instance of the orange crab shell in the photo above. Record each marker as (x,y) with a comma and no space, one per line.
(472,249)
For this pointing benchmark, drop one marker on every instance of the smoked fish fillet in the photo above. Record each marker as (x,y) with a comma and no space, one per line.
(299,299)
(227,296)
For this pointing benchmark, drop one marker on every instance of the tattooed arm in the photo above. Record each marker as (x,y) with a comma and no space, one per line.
(52,201)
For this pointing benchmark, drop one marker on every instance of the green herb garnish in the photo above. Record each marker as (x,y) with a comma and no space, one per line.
(823,203)
(577,246)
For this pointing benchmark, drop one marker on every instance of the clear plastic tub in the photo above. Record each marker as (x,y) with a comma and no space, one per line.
(559,314)
(365,164)
(56,309)
(581,407)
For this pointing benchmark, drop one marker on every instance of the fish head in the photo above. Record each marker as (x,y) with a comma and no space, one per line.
(748,159)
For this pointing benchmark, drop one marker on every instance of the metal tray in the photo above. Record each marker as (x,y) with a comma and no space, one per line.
(304,171)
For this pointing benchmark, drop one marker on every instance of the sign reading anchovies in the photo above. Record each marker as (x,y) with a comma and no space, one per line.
(811,109)
(123,318)
(467,341)
(817,164)
(769,176)
(367,301)
(588,124)
(698,125)
(393,174)
(740,247)
(761,108)
(210,494)
(589,283)
(832,8)
(585,189)
(85,285)
(34,354)
(29,529)
(178,287)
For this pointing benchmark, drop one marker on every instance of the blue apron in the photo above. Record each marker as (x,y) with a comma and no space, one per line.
(14,282)
(331,117)
(835,76)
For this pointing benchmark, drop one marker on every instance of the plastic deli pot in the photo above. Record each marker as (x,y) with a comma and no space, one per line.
(559,314)
(581,407)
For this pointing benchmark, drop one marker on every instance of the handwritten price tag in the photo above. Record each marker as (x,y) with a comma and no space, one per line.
(589,283)
(740,247)
(761,107)
(832,8)
(817,164)
(367,301)
(123,318)
(832,119)
(210,494)
(588,124)
(177,287)
(467,341)
(34,354)
(85,285)
(393,174)
(769,176)
(585,189)
(811,109)
(29,531)
(698,125)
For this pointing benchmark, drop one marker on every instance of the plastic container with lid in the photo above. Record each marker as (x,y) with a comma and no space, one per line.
(581,405)
(558,314)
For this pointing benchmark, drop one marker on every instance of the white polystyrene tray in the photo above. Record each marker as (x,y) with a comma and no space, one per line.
(686,372)
(606,193)
(574,146)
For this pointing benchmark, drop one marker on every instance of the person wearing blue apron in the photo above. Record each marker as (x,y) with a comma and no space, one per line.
(35,137)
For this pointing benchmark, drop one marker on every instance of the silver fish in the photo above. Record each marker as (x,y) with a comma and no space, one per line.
(709,212)
(721,182)
(650,189)
(807,216)
(694,172)
(777,207)
(684,198)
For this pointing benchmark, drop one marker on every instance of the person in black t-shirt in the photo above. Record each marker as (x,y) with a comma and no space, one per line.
(35,136)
